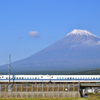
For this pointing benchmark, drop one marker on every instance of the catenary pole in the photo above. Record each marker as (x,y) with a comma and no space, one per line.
(9,67)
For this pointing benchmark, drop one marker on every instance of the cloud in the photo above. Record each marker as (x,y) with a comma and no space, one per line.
(33,34)
(91,43)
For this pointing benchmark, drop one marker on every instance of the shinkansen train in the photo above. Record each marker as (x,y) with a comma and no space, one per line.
(50,78)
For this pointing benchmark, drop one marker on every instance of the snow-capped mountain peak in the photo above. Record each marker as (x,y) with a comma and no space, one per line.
(80,32)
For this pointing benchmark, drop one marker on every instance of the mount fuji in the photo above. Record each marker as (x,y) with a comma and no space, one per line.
(79,49)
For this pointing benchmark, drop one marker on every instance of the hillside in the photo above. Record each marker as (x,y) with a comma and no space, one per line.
(87,72)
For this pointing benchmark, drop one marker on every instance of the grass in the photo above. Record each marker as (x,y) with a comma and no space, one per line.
(94,98)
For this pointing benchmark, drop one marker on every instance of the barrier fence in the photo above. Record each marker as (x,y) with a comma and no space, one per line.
(34,89)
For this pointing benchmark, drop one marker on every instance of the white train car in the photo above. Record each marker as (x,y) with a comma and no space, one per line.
(75,78)
(50,78)
(25,78)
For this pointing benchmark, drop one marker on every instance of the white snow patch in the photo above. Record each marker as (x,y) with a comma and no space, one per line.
(98,43)
(73,46)
(80,32)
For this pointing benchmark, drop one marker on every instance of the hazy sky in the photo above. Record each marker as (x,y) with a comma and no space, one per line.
(28,26)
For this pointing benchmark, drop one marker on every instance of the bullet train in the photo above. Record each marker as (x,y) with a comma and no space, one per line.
(50,78)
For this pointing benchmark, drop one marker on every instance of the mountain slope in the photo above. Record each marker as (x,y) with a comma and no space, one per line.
(79,49)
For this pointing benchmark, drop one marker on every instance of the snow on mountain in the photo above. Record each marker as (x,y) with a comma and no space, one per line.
(78,36)
(80,32)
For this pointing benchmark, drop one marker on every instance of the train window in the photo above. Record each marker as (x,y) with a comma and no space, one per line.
(30,77)
(58,77)
(35,77)
(6,77)
(22,78)
(52,77)
(73,77)
(38,77)
(62,77)
(93,77)
(27,77)
(67,77)
(19,77)
(41,76)
(2,76)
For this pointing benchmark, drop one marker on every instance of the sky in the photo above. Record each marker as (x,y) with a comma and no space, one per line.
(28,26)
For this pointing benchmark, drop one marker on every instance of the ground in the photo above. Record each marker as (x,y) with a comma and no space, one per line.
(89,98)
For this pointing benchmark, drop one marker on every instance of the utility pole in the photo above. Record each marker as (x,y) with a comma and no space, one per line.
(9,85)
(9,67)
